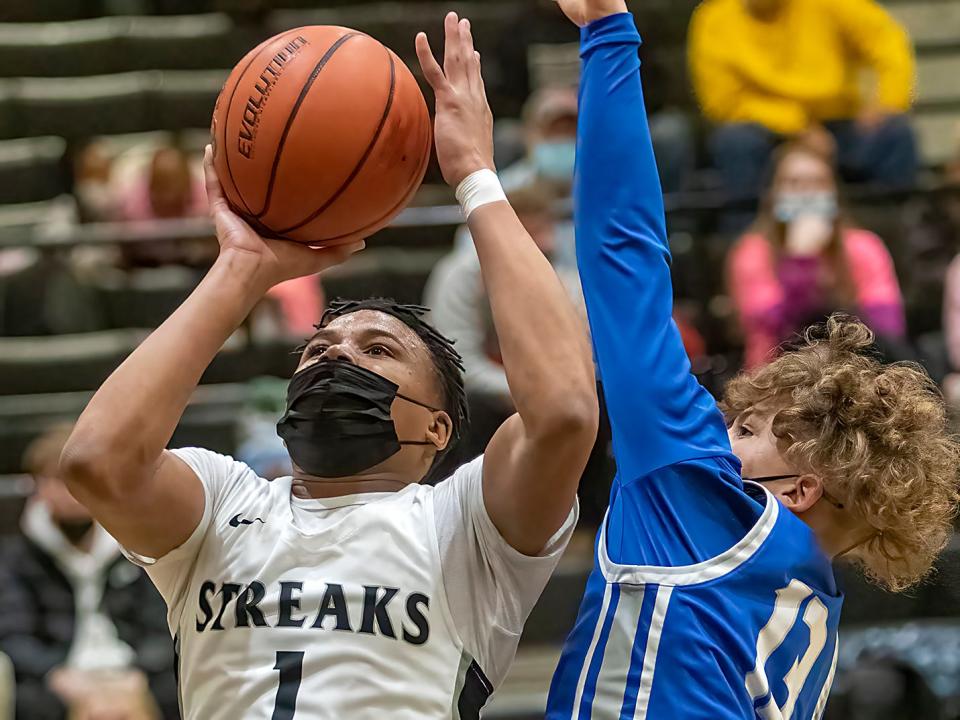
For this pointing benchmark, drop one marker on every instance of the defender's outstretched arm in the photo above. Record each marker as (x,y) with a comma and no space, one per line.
(659,413)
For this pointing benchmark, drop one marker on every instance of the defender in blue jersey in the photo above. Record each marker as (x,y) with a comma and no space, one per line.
(713,596)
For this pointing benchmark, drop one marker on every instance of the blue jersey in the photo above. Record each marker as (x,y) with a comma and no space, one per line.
(708,598)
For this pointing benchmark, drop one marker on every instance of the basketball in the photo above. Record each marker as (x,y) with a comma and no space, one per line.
(320,135)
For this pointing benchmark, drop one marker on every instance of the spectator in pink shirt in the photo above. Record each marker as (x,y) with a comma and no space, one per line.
(168,189)
(165,189)
(803,260)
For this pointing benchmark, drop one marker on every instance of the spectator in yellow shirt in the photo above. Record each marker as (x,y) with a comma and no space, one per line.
(764,70)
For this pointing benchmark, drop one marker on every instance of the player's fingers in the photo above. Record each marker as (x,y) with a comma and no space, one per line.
(214,191)
(225,221)
(466,39)
(428,63)
(478,73)
(452,60)
(336,254)
(468,54)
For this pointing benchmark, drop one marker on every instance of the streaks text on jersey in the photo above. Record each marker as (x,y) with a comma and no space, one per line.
(363,609)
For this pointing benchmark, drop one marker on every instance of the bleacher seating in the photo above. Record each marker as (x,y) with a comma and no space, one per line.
(180,100)
(18,220)
(31,170)
(192,42)
(83,47)
(80,107)
(210,418)
(49,10)
(62,363)
(932,25)
(142,299)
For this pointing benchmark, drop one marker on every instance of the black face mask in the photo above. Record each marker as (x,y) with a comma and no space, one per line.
(338,422)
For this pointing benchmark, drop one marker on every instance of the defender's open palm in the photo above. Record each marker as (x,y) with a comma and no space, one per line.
(584,12)
(464,123)
(279,260)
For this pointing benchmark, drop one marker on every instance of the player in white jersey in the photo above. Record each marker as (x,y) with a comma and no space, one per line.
(350,590)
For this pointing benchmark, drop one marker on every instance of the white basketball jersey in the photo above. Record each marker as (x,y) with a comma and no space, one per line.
(400,605)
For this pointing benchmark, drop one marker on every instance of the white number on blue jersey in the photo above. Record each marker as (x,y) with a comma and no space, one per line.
(781,622)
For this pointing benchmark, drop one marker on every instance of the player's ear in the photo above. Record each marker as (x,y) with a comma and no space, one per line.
(802,493)
(440,430)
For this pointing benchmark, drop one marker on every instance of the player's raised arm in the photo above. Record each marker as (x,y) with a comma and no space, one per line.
(115,462)
(534,462)
(659,413)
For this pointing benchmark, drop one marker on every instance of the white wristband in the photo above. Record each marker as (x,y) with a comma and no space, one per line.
(477,189)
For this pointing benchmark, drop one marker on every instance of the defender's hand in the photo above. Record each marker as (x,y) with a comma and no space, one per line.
(584,12)
(277,260)
(464,123)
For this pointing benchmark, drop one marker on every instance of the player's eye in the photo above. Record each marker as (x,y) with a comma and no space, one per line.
(379,351)
(315,350)
(744,431)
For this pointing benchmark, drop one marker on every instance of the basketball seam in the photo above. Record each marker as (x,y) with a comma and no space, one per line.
(363,158)
(293,114)
(402,203)
(421,171)
(226,118)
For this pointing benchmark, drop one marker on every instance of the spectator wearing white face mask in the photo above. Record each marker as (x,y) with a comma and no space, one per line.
(802,260)
(550,139)
(550,136)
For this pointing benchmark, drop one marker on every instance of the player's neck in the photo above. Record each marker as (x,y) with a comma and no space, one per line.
(833,533)
(311,487)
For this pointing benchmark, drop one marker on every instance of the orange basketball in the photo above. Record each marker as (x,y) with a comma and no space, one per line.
(320,135)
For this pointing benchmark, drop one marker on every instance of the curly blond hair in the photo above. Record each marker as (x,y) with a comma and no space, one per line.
(876,434)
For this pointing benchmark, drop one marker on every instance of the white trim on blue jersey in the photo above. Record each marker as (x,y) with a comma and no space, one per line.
(615,661)
(653,647)
(585,670)
(710,569)
(825,692)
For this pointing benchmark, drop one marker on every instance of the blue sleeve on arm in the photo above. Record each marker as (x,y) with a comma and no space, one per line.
(659,413)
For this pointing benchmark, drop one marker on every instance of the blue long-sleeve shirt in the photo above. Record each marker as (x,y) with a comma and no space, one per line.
(692,565)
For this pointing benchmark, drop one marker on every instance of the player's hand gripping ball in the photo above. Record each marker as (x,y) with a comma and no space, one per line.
(320,135)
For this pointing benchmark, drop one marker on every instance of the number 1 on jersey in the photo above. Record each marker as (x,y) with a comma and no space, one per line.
(290,665)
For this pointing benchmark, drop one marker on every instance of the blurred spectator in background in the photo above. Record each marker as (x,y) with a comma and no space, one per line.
(550,136)
(43,279)
(97,199)
(763,70)
(802,260)
(550,129)
(167,189)
(549,153)
(85,629)
(947,222)
(460,310)
(931,241)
